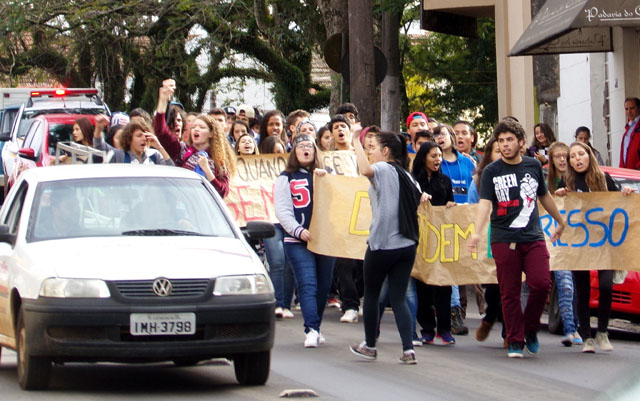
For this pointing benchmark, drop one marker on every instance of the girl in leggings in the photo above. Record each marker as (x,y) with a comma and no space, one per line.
(584,175)
(392,240)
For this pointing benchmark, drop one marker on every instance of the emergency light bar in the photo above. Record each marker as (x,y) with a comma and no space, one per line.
(64,92)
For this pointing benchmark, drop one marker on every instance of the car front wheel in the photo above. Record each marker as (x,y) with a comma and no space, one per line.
(252,368)
(33,372)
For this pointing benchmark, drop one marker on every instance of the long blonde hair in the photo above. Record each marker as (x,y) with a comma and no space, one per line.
(594,177)
(222,155)
(553,177)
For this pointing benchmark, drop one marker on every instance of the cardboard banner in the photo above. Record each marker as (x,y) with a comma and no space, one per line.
(442,257)
(251,189)
(341,216)
(597,235)
(601,232)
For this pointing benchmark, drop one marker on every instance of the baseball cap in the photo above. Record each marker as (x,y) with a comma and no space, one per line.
(248,110)
(229,110)
(414,115)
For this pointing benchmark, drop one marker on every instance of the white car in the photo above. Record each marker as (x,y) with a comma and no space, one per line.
(129,263)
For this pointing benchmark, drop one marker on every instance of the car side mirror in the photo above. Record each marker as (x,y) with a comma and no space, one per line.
(258,230)
(6,236)
(5,136)
(27,153)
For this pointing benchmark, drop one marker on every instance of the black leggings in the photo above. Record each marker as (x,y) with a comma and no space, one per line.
(430,297)
(396,264)
(582,283)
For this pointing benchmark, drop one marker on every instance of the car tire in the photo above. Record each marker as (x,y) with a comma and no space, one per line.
(5,190)
(33,372)
(252,369)
(555,320)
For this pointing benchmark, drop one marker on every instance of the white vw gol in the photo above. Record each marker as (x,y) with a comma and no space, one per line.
(129,263)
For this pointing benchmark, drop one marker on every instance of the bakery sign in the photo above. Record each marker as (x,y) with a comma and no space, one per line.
(607,16)
(576,26)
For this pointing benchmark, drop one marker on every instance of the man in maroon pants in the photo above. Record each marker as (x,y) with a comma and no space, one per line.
(509,192)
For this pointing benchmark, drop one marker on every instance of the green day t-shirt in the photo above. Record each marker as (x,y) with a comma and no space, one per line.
(513,189)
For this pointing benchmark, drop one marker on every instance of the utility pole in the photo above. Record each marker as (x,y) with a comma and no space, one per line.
(362,82)
(390,89)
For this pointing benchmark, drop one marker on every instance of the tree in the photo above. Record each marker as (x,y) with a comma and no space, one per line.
(79,43)
(451,77)
(392,87)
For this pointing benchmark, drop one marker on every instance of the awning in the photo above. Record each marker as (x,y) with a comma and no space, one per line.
(576,26)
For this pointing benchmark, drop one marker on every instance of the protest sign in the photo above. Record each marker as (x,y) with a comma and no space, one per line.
(251,188)
(340,227)
(599,233)
(442,257)
(341,216)
(602,232)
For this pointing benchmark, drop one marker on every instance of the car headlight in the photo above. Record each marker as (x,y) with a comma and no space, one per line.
(242,285)
(74,288)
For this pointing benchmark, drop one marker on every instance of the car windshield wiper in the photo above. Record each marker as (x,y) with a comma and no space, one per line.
(160,232)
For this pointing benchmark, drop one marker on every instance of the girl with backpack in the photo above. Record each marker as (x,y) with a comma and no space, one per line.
(393,237)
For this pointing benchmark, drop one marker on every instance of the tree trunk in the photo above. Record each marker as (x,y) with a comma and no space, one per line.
(362,62)
(335,19)
(390,89)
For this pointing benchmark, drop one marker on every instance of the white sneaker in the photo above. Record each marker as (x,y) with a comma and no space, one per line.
(278,313)
(350,316)
(321,339)
(312,339)
(287,314)
(602,339)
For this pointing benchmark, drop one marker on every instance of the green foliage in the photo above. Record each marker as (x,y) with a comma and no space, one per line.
(79,42)
(450,77)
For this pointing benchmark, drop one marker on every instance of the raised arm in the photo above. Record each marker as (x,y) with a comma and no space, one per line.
(168,140)
(363,163)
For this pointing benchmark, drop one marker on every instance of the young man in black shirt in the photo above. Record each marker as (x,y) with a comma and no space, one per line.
(509,193)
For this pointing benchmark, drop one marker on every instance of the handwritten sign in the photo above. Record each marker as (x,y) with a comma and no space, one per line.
(251,189)
(601,233)
(341,216)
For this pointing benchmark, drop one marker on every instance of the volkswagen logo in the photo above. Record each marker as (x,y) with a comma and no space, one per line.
(162,287)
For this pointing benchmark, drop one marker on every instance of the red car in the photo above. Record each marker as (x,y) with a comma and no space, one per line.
(626,296)
(39,145)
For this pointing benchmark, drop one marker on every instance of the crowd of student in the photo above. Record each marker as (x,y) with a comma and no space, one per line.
(446,171)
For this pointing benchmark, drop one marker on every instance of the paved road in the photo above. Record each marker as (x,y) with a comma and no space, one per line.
(469,370)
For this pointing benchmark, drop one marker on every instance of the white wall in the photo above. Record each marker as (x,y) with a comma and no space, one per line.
(574,103)
(584,86)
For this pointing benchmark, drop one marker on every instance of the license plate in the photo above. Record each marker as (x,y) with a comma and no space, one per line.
(162,324)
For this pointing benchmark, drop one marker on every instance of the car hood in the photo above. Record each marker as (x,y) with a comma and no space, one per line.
(140,258)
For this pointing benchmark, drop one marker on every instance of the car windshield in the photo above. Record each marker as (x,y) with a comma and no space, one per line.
(23,127)
(139,206)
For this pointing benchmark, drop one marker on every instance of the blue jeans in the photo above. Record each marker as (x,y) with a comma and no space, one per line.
(313,275)
(564,282)
(279,269)
(412,301)
(455,297)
